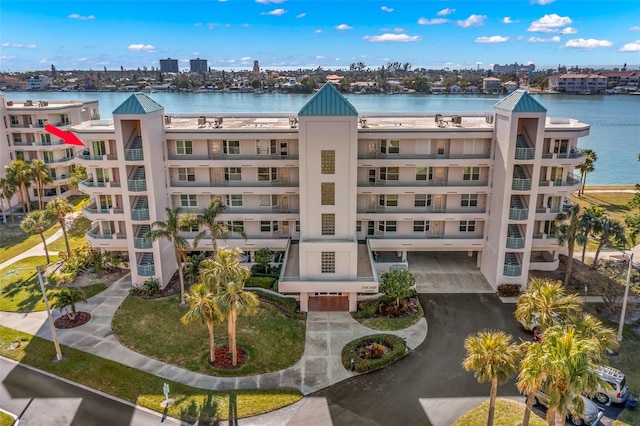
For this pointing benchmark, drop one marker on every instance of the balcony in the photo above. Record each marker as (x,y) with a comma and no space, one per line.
(231,183)
(87,157)
(518,213)
(521,184)
(146,269)
(141,243)
(140,213)
(93,209)
(525,153)
(194,157)
(134,154)
(422,183)
(411,156)
(512,270)
(137,185)
(574,153)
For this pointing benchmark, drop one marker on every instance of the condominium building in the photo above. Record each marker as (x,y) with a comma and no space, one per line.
(23,137)
(331,191)
(198,65)
(578,83)
(169,65)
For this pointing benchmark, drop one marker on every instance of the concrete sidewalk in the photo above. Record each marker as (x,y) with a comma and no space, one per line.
(37,250)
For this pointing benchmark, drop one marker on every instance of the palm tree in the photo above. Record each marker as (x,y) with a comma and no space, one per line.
(611,231)
(546,303)
(7,190)
(68,297)
(492,357)
(20,173)
(209,219)
(588,326)
(170,230)
(40,173)
(37,222)
(589,224)
(568,227)
(586,168)
(60,208)
(202,308)
(224,267)
(531,375)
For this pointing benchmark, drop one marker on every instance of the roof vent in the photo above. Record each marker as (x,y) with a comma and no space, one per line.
(293,122)
(489,118)
(457,120)
(167,119)
(363,121)
(28,103)
(217,122)
(202,120)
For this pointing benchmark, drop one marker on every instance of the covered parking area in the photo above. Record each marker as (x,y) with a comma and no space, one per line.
(447,272)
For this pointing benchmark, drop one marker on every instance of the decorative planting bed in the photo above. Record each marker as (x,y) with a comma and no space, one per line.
(372,352)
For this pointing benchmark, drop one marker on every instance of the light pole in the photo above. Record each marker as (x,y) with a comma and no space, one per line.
(626,296)
(46,304)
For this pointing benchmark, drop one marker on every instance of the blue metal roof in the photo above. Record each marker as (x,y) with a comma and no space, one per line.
(138,103)
(520,101)
(327,102)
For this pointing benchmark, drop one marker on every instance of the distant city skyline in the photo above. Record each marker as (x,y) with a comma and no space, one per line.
(285,34)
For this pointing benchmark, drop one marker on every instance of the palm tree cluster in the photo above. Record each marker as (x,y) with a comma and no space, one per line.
(562,364)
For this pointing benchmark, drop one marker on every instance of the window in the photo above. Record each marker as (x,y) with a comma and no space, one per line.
(186,174)
(184,147)
(328,224)
(265,147)
(64,120)
(327,162)
(421,225)
(469,200)
(267,226)
(190,228)
(389,200)
(471,173)
(389,173)
(20,155)
(45,139)
(328,262)
(190,200)
(389,147)
(235,226)
(68,153)
(467,226)
(42,122)
(387,226)
(232,173)
(231,147)
(297,226)
(14,120)
(233,200)
(267,173)
(328,193)
(422,200)
(358,226)
(47,157)
(424,173)
(268,200)
(17,138)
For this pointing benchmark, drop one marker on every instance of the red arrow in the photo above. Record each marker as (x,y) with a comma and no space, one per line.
(68,136)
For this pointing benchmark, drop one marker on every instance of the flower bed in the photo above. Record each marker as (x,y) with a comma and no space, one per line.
(351,349)
(223,358)
(65,322)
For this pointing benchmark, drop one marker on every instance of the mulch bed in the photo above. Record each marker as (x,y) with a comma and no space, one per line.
(224,361)
(65,322)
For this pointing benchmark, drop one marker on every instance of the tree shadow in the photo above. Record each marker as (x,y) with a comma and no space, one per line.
(203,414)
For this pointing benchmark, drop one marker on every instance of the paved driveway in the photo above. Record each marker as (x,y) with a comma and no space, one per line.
(447,272)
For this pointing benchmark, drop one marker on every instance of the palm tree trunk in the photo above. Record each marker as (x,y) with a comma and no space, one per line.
(527,410)
(492,400)
(181,282)
(232,336)
(212,344)
(559,418)
(64,233)
(595,260)
(28,197)
(4,214)
(569,270)
(584,250)
(44,243)
(583,178)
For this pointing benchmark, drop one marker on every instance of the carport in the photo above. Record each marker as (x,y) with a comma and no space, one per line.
(447,272)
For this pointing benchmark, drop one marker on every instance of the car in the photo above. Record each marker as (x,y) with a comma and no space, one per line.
(616,389)
(591,416)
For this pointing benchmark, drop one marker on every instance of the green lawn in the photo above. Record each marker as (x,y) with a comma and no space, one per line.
(273,340)
(387,324)
(191,404)
(508,413)
(5,419)
(13,241)
(20,288)
(76,236)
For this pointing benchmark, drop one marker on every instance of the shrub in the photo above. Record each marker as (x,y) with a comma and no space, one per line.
(150,287)
(262,282)
(258,271)
(372,350)
(350,351)
(287,305)
(61,278)
(508,290)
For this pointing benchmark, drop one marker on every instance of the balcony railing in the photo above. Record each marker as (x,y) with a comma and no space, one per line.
(94,184)
(434,182)
(575,153)
(140,214)
(99,236)
(231,183)
(520,184)
(133,154)
(525,153)
(96,157)
(137,185)
(512,270)
(95,210)
(231,157)
(141,243)
(421,210)
(146,270)
(518,214)
(515,242)
(411,156)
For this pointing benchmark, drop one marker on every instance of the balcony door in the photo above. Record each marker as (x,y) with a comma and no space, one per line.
(102,175)
(99,148)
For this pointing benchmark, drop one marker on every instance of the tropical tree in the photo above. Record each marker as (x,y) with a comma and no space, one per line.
(203,309)
(19,172)
(77,175)
(40,174)
(397,284)
(68,297)
(493,357)
(632,223)
(263,258)
(588,326)
(59,208)
(568,226)
(532,374)
(37,222)
(170,230)
(586,168)
(611,232)
(7,190)
(217,229)
(546,303)
(589,224)
(223,268)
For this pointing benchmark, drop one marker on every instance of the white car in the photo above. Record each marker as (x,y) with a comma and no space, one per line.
(591,415)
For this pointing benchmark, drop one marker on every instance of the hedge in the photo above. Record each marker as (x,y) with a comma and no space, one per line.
(262,282)
(508,290)
(350,350)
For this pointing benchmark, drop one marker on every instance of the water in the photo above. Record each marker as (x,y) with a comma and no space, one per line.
(614,120)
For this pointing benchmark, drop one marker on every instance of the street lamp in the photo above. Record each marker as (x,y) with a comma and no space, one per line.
(46,304)
(626,296)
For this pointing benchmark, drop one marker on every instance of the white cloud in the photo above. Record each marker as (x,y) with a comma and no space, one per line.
(386,9)
(231,61)
(270,1)
(492,39)
(321,57)
(318,31)
(631,47)
(472,21)
(198,24)
(44,60)
(434,21)
(634,28)
(343,27)
(141,47)
(211,25)
(589,43)
(245,58)
(549,23)
(569,30)
(196,53)
(80,17)
(300,15)
(508,20)
(398,30)
(445,12)
(275,12)
(542,2)
(7,57)
(20,45)
(397,38)
(554,39)
(245,25)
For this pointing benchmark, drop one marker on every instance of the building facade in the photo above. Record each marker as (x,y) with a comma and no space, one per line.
(198,65)
(578,83)
(330,191)
(169,65)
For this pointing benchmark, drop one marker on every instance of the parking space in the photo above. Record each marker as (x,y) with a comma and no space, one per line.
(447,272)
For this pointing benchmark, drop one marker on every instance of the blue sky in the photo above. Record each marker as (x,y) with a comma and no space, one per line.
(92,34)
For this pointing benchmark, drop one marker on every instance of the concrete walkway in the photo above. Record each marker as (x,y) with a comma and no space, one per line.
(37,250)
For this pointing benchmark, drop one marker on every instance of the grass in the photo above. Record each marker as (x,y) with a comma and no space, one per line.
(14,241)
(75,233)
(191,404)
(273,340)
(5,419)
(507,413)
(367,316)
(20,288)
